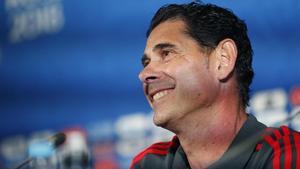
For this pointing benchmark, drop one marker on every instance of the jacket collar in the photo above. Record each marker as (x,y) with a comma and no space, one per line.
(239,151)
(243,145)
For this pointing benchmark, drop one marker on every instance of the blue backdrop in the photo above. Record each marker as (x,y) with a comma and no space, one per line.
(66,62)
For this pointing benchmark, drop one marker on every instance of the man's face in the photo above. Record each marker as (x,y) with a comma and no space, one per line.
(177,76)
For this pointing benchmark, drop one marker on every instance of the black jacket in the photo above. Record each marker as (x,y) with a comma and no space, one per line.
(254,147)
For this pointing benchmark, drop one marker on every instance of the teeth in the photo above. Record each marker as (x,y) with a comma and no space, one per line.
(160,94)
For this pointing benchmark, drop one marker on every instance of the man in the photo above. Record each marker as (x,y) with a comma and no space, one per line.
(196,77)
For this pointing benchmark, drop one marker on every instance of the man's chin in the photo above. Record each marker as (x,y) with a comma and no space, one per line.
(160,121)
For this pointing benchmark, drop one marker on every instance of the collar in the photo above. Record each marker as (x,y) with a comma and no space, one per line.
(239,151)
(243,145)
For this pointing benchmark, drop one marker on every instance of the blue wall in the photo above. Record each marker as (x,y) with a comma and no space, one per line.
(84,67)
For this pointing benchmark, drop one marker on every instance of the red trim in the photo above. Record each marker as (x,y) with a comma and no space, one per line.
(147,151)
(276,148)
(160,148)
(287,148)
(163,145)
(277,134)
(286,130)
(297,145)
(258,147)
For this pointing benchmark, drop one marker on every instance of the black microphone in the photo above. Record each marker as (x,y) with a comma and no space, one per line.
(57,139)
(53,142)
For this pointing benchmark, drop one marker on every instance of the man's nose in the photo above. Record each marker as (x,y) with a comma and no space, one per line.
(150,73)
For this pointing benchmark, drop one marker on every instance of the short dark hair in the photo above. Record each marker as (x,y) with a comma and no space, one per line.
(209,24)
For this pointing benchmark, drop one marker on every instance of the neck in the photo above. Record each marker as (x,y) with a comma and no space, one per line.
(207,134)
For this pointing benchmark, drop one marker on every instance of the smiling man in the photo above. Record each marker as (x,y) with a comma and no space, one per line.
(196,77)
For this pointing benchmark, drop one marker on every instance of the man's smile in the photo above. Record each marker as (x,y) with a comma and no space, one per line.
(158,90)
(160,94)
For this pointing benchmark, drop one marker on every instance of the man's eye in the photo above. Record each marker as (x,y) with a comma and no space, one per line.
(165,53)
(145,62)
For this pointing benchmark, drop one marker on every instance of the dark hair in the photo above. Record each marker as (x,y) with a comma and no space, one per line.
(209,24)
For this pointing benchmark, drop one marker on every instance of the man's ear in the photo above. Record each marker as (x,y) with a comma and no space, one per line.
(226,54)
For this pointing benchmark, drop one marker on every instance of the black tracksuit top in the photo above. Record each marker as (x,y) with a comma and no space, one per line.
(254,147)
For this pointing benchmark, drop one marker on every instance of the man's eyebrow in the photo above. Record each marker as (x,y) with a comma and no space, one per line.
(161,46)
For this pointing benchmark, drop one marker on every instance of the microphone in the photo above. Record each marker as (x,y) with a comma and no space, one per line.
(57,140)
(43,148)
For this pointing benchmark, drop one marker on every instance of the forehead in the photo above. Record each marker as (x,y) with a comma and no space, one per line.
(168,31)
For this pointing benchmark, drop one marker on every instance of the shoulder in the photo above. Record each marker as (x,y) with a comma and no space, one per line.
(157,151)
(282,146)
(283,137)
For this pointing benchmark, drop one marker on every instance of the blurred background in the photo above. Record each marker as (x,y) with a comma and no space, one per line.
(71,66)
